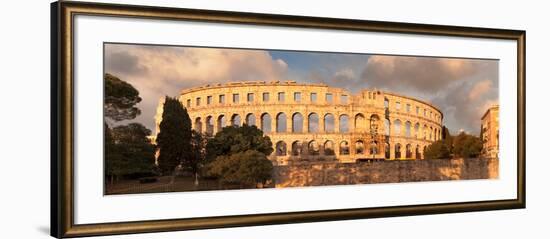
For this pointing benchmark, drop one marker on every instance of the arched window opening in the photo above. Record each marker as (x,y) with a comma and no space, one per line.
(236,120)
(296,148)
(344,148)
(329,148)
(387,150)
(373,149)
(408,151)
(280,148)
(266,123)
(209,125)
(398,151)
(198,125)
(221,122)
(397,127)
(359,147)
(281,122)
(360,123)
(313,123)
(344,124)
(387,127)
(313,148)
(329,123)
(250,119)
(297,123)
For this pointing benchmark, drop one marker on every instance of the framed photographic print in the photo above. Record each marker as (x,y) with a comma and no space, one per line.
(172,119)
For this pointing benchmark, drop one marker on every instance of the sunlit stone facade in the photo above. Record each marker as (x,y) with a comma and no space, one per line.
(489,132)
(309,122)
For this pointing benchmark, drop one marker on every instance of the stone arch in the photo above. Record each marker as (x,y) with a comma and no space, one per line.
(397,150)
(387,150)
(209,125)
(374,122)
(417,152)
(250,119)
(417,130)
(344,148)
(431,133)
(359,147)
(329,123)
(297,123)
(296,148)
(343,126)
(236,120)
(281,122)
(280,148)
(397,127)
(313,148)
(328,148)
(360,123)
(266,123)
(373,148)
(313,123)
(221,122)
(198,124)
(408,151)
(425,131)
(408,129)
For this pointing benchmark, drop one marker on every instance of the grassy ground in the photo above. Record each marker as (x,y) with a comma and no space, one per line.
(165,184)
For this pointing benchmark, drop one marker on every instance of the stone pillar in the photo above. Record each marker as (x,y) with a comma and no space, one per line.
(336,124)
(392,151)
(273,122)
(321,127)
(305,120)
(258,119)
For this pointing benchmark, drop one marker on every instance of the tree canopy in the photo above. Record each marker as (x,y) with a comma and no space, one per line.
(128,151)
(466,146)
(174,138)
(120,99)
(437,150)
(235,139)
(248,168)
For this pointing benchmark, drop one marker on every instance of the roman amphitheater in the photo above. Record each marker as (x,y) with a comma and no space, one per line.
(309,122)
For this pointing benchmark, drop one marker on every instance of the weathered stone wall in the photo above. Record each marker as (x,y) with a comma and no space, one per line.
(319,174)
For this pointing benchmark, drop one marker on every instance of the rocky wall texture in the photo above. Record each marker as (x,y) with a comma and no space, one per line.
(395,171)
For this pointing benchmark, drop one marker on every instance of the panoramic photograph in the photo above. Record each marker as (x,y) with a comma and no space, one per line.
(186,118)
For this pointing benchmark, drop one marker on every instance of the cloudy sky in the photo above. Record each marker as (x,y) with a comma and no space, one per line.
(462,88)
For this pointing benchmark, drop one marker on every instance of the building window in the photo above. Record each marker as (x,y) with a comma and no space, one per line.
(328,97)
(397,105)
(370,95)
(198,101)
(209,100)
(188,103)
(222,99)
(313,97)
(386,103)
(297,96)
(281,96)
(265,97)
(417,110)
(344,99)
(235,98)
(425,112)
(408,108)
(250,97)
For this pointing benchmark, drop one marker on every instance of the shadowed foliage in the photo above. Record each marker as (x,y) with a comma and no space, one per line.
(120,99)
(174,138)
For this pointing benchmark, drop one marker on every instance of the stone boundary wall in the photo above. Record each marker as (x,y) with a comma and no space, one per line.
(395,171)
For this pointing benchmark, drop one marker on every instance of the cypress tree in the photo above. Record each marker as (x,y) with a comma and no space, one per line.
(174,138)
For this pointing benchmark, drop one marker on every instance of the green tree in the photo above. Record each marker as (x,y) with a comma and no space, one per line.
(128,151)
(120,99)
(447,138)
(235,139)
(466,146)
(437,150)
(246,168)
(174,138)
